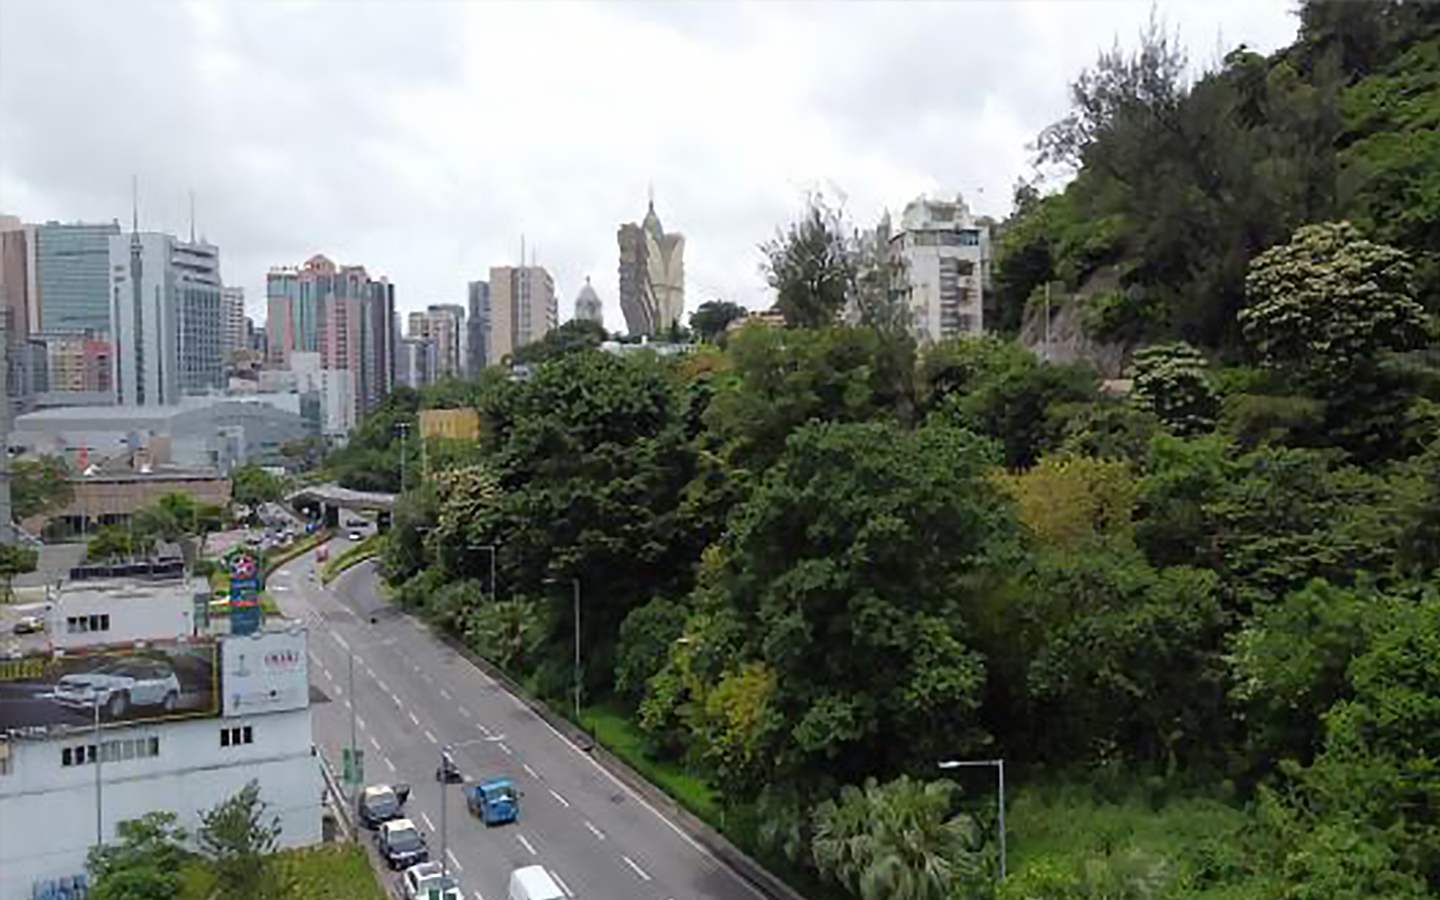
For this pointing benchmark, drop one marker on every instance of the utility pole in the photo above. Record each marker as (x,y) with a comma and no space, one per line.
(404,429)
(99,796)
(444,812)
(1000,766)
(355,786)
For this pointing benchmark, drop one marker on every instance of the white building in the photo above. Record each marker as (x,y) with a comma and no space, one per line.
(233,334)
(121,611)
(415,362)
(336,389)
(200,718)
(947,264)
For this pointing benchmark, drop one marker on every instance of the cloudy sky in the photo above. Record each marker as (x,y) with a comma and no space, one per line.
(422,140)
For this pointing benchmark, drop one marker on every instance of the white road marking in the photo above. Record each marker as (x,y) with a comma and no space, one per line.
(388,763)
(430,737)
(638,871)
(563,886)
(454,863)
(413,719)
(505,748)
(521,838)
(428,824)
(479,896)
(360,720)
(383,686)
(482,728)
(599,835)
(561,800)
(464,712)
(531,772)
(341,641)
(347,703)
(444,693)
(374,743)
(278,587)
(326,672)
(393,698)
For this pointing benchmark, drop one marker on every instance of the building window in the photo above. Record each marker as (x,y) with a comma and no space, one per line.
(114,751)
(234,737)
(87,624)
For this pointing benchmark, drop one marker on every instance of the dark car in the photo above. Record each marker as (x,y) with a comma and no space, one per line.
(381,803)
(401,844)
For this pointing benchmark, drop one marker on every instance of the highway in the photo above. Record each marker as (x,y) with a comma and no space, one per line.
(413,695)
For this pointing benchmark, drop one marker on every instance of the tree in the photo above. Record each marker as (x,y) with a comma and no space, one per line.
(238,839)
(811,267)
(252,486)
(1170,381)
(14,561)
(1326,305)
(117,542)
(1068,501)
(897,841)
(710,320)
(143,863)
(574,336)
(38,486)
(506,632)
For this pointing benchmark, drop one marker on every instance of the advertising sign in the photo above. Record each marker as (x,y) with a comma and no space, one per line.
(264,672)
(245,613)
(133,684)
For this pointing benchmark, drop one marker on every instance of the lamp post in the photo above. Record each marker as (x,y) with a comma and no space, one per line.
(575,583)
(999,764)
(444,785)
(99,795)
(404,429)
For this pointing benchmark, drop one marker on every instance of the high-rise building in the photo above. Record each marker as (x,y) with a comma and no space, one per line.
(947,265)
(652,276)
(73,277)
(477,328)
(522,309)
(79,364)
(587,305)
(17,285)
(165,318)
(444,323)
(233,321)
(415,362)
(339,312)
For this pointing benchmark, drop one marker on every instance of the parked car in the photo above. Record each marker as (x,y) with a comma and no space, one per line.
(380,803)
(401,844)
(29,625)
(355,535)
(419,880)
(534,883)
(119,685)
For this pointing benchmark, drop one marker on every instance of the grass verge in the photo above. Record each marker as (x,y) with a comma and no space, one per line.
(357,554)
(326,872)
(615,731)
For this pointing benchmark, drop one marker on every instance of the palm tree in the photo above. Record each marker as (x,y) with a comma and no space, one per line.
(896,841)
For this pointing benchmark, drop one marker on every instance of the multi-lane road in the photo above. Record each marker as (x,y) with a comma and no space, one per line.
(413,695)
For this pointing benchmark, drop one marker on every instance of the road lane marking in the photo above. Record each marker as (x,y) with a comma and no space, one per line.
(446,694)
(384,687)
(455,863)
(360,720)
(347,703)
(430,737)
(483,729)
(505,748)
(464,712)
(413,719)
(531,772)
(479,896)
(521,838)
(341,641)
(428,824)
(388,763)
(561,800)
(599,835)
(560,881)
(644,875)
(374,743)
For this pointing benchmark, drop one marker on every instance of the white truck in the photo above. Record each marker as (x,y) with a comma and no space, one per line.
(534,883)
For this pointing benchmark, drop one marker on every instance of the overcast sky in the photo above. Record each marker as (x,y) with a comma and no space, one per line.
(422,140)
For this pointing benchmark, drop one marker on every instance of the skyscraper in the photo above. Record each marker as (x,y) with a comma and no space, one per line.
(478,328)
(234,336)
(73,277)
(522,309)
(415,362)
(652,275)
(587,305)
(17,285)
(165,318)
(444,324)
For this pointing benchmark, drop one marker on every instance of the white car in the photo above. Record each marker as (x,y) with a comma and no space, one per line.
(119,685)
(419,881)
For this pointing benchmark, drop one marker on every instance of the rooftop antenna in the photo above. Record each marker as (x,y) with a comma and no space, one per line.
(192,215)
(650,194)
(522,249)
(134,204)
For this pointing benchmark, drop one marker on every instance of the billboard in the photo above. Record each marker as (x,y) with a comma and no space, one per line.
(152,682)
(264,672)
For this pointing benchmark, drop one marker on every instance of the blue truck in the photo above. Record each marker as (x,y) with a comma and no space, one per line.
(494,800)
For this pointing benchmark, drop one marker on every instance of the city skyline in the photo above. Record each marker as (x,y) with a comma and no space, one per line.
(747,118)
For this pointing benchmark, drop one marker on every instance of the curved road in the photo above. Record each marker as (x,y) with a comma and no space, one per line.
(412,695)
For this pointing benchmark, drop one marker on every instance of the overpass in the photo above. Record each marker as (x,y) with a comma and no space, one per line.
(326,500)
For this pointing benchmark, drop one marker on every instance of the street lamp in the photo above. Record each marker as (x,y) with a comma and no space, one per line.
(999,764)
(445,757)
(404,429)
(575,582)
(99,755)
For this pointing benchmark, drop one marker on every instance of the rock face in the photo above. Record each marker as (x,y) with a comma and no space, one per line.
(1068,341)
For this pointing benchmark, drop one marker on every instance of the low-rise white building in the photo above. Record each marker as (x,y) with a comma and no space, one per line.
(94,734)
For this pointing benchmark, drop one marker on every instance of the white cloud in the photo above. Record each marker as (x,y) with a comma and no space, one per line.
(422,139)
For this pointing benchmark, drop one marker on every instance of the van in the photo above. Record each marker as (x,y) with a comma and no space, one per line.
(534,883)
